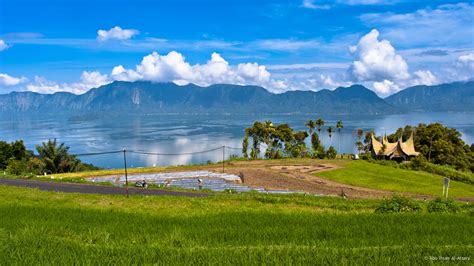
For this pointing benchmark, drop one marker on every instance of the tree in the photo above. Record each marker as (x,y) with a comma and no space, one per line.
(245,145)
(310,124)
(330,130)
(56,157)
(319,123)
(315,142)
(438,144)
(12,151)
(339,127)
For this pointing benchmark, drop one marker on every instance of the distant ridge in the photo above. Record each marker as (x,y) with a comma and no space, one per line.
(142,97)
(456,96)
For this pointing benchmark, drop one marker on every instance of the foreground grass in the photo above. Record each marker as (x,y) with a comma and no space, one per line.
(56,228)
(369,175)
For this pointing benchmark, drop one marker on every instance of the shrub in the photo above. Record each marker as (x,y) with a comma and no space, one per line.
(397,204)
(331,153)
(442,205)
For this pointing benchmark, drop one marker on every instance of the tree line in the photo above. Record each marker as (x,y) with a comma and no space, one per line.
(281,141)
(52,157)
(436,143)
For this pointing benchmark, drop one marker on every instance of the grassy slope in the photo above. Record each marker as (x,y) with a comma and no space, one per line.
(55,228)
(365,174)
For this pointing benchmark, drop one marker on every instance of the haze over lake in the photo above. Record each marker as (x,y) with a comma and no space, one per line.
(189,133)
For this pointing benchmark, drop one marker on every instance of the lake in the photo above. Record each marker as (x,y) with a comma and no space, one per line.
(173,134)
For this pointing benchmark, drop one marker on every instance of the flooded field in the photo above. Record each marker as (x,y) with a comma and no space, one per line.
(195,180)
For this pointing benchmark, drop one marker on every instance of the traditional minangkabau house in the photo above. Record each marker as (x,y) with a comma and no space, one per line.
(399,151)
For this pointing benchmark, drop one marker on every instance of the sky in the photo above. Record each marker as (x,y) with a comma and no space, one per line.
(72,45)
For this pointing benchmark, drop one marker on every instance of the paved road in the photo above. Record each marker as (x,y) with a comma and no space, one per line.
(92,189)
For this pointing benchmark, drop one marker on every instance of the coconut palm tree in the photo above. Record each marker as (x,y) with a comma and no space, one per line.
(310,124)
(330,130)
(319,123)
(339,126)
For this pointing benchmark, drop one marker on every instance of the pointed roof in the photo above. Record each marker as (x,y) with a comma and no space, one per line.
(394,149)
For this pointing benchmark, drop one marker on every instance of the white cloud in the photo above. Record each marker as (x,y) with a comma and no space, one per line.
(385,87)
(7,80)
(463,67)
(3,45)
(312,5)
(42,85)
(379,63)
(174,67)
(88,80)
(423,77)
(466,62)
(447,25)
(116,33)
(377,60)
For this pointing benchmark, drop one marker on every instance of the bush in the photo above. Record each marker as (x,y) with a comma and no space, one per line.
(442,205)
(331,153)
(397,204)
(419,163)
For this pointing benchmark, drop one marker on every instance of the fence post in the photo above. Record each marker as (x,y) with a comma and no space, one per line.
(125,167)
(223,159)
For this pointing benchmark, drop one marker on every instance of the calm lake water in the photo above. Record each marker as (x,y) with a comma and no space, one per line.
(185,134)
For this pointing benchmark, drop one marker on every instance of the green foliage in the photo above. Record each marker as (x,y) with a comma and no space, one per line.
(319,124)
(442,205)
(16,167)
(420,163)
(56,157)
(331,153)
(280,139)
(12,151)
(439,144)
(315,142)
(398,203)
(245,145)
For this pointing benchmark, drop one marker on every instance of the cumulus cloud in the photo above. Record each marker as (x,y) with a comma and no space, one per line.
(3,45)
(116,33)
(174,67)
(377,60)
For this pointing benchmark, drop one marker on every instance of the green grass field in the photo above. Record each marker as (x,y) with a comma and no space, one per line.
(370,175)
(58,228)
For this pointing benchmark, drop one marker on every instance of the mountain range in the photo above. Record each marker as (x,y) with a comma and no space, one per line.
(142,97)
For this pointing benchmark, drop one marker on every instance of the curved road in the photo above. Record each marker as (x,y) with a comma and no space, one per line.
(93,189)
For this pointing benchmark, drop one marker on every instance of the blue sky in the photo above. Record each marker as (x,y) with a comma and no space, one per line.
(49,46)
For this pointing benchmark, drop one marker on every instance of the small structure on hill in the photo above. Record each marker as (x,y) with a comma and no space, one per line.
(399,151)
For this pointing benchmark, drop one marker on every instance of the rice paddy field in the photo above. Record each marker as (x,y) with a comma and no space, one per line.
(41,228)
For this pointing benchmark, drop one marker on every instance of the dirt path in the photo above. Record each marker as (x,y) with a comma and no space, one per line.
(300,177)
(92,189)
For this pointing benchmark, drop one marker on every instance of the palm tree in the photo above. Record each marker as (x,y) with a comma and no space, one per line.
(310,124)
(319,123)
(330,130)
(339,126)
(56,157)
